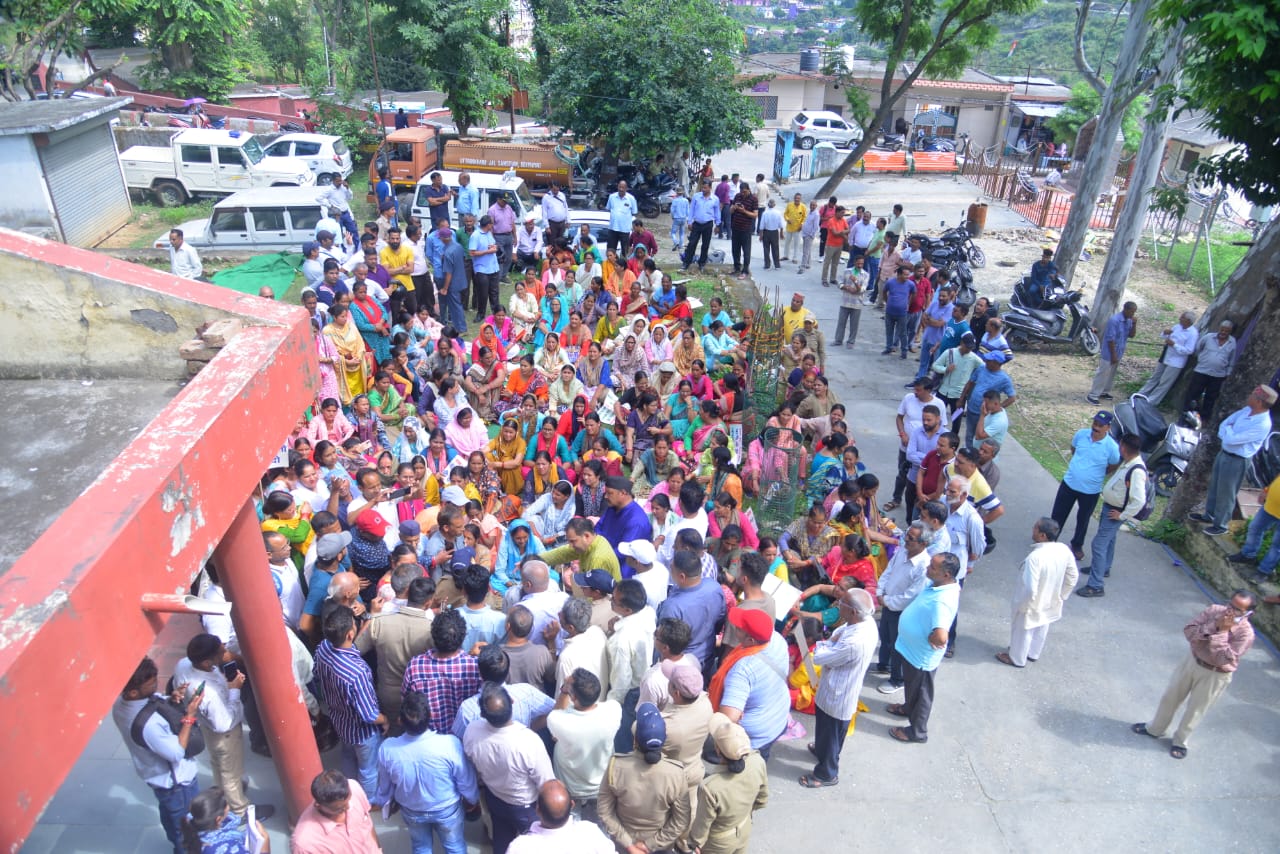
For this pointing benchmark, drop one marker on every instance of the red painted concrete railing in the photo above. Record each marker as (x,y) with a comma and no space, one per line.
(72,628)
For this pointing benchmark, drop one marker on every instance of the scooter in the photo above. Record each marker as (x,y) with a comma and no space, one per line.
(1049,322)
(1167,462)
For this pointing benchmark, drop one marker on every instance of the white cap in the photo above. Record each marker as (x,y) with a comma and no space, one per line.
(641,550)
(454,495)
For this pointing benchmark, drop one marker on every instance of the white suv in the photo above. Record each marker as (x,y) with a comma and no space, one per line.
(325,155)
(814,126)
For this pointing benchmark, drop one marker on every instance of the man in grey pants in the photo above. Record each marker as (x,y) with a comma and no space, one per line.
(1242,433)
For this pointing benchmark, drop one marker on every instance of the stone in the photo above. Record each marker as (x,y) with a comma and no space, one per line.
(193,367)
(196,350)
(218,333)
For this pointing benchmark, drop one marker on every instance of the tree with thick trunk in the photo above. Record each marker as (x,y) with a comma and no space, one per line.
(1146,169)
(1259,336)
(1127,82)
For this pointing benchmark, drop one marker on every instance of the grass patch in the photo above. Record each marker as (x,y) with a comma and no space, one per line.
(1225,257)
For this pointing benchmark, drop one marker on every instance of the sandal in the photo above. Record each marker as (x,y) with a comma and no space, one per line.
(897,710)
(1003,658)
(892,505)
(811,782)
(1178,752)
(1141,729)
(900,734)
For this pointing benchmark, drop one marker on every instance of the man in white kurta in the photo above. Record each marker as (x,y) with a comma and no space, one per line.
(1049,574)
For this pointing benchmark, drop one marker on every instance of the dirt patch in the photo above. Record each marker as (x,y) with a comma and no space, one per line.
(1052,381)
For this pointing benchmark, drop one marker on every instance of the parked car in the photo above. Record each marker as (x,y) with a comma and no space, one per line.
(267,219)
(207,163)
(814,126)
(325,155)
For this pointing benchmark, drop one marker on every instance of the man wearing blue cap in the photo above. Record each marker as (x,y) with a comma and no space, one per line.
(990,376)
(1094,456)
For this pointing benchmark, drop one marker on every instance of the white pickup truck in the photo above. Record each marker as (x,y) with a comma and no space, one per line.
(208,163)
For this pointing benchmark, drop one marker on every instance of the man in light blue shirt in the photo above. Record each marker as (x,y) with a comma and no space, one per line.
(922,641)
(990,376)
(1243,433)
(679,218)
(699,602)
(1094,455)
(483,248)
(1120,327)
(755,694)
(467,200)
(704,213)
(429,777)
(622,210)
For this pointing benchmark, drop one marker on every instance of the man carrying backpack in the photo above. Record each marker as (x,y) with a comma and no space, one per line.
(1126,495)
(163,740)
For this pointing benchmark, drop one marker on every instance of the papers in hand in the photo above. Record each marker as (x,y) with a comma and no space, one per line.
(784,595)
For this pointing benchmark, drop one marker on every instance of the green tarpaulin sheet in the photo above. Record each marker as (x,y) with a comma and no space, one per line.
(276,271)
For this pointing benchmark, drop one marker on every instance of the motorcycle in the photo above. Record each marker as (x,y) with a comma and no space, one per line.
(1048,323)
(951,259)
(891,142)
(971,252)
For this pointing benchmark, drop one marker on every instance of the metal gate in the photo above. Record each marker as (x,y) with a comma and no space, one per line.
(90,199)
(767,105)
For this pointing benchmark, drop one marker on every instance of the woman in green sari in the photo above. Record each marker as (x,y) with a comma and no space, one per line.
(281,516)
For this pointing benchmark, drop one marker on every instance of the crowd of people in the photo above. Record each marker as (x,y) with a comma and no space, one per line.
(521,572)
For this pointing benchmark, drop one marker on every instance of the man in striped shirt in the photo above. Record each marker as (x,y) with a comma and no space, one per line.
(346,684)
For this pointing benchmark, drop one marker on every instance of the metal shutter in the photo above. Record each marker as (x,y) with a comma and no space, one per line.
(89,195)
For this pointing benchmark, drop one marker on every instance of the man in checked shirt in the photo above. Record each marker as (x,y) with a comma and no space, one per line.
(447,674)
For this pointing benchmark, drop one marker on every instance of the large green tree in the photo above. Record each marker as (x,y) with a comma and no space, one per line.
(461,43)
(651,76)
(1231,73)
(285,35)
(197,45)
(934,38)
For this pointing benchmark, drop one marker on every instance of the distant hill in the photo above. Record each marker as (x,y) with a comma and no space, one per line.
(1044,38)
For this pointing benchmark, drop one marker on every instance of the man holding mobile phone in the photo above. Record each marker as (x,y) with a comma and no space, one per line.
(1219,638)
(221,715)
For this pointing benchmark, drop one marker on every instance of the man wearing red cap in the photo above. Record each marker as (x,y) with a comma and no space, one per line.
(370,557)
(747,688)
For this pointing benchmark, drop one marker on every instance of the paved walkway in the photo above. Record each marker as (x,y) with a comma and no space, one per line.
(1039,759)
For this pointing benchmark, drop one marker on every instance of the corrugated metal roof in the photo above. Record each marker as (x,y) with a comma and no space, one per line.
(19,118)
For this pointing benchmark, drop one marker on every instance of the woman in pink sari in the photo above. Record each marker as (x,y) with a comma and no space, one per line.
(328,356)
(466,433)
(330,425)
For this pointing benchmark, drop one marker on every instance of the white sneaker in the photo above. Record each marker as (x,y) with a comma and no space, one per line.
(888,688)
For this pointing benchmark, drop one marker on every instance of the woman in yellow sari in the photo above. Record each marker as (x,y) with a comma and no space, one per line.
(506,457)
(353,367)
(686,352)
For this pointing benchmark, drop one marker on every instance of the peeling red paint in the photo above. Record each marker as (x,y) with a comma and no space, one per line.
(70,597)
